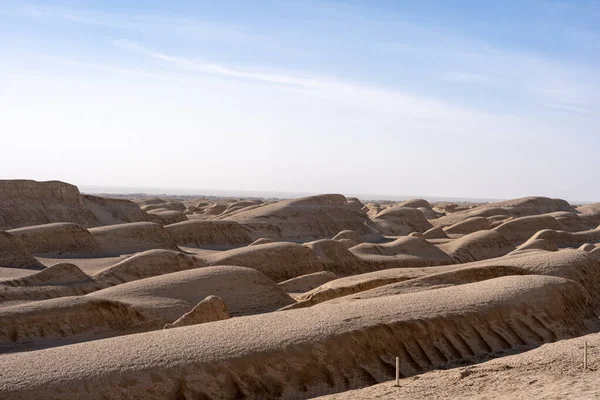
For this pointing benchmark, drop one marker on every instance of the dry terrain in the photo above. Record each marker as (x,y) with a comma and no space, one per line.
(189,297)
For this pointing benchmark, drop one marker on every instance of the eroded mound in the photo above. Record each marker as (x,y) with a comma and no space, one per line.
(60,239)
(66,316)
(14,255)
(400,220)
(28,203)
(307,282)
(279,261)
(305,219)
(481,245)
(209,234)
(412,248)
(210,309)
(469,225)
(147,264)
(291,358)
(131,238)
(518,230)
(164,298)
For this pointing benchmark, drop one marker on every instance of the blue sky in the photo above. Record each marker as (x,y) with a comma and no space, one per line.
(491,99)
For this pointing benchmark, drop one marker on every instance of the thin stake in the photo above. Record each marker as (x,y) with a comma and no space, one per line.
(397,371)
(585,364)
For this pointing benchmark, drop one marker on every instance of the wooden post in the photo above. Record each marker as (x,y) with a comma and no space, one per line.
(397,371)
(585,354)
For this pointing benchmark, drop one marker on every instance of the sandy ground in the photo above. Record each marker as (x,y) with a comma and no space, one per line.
(552,371)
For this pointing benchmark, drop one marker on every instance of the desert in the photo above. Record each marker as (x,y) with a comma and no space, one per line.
(292,298)
(299,199)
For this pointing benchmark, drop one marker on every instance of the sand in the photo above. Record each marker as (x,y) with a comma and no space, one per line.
(219,298)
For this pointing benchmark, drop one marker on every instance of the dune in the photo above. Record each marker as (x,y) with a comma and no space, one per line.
(28,203)
(165,298)
(534,243)
(304,283)
(551,371)
(58,274)
(415,203)
(305,219)
(131,238)
(449,277)
(212,308)
(358,283)
(436,232)
(348,234)
(520,207)
(146,264)
(166,217)
(142,305)
(574,265)
(414,251)
(64,279)
(109,211)
(355,204)
(567,239)
(335,257)
(55,319)
(430,331)
(519,230)
(262,241)
(469,225)
(280,261)
(399,220)
(60,239)
(59,280)
(208,234)
(480,245)
(13,254)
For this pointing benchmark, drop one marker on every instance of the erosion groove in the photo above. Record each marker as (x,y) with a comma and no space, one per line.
(353,345)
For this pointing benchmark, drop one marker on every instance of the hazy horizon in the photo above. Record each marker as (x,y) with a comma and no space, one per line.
(463,99)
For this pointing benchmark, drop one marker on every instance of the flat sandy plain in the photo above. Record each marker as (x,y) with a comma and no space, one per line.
(227,298)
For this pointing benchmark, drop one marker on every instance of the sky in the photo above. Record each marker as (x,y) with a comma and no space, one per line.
(464,98)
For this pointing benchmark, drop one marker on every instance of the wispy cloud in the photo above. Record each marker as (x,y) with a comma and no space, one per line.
(465,77)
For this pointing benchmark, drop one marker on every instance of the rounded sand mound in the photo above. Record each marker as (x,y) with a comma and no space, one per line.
(279,261)
(518,230)
(208,234)
(14,255)
(401,221)
(262,241)
(469,225)
(335,257)
(427,330)
(453,277)
(57,274)
(353,284)
(348,234)
(147,264)
(410,246)
(131,238)
(415,203)
(570,222)
(61,239)
(537,244)
(436,232)
(305,219)
(476,246)
(307,282)
(210,309)
(166,217)
(59,280)
(164,298)
(568,239)
(66,316)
